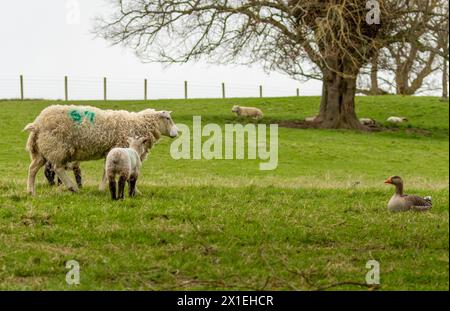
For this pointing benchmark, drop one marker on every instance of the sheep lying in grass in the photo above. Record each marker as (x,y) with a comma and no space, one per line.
(397,119)
(310,119)
(63,133)
(125,162)
(49,173)
(252,112)
(368,121)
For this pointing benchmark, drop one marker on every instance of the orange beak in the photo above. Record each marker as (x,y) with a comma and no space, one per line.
(388,181)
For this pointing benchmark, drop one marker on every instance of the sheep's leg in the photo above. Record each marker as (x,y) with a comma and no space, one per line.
(62,174)
(49,173)
(103,182)
(122,181)
(77,173)
(132,186)
(37,162)
(112,188)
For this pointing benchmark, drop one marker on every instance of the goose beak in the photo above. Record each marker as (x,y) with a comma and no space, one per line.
(388,181)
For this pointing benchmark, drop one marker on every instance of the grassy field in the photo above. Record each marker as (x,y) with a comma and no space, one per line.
(312,223)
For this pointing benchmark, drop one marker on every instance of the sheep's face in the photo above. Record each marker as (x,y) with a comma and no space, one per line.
(166,125)
(139,144)
(235,109)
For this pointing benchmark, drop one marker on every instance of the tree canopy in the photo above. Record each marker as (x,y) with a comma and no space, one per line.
(331,40)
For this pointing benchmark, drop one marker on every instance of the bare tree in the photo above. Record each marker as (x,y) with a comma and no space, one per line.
(441,29)
(368,80)
(331,40)
(405,67)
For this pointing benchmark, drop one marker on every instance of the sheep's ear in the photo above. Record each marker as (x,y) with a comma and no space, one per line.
(129,140)
(164,114)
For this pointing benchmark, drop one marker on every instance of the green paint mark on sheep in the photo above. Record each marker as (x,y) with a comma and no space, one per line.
(90,116)
(77,116)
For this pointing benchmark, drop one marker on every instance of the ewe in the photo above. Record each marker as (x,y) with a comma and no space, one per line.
(66,133)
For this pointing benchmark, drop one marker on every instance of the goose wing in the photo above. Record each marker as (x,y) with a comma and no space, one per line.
(416,201)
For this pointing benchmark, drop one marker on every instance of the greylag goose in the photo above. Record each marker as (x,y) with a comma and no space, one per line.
(403,202)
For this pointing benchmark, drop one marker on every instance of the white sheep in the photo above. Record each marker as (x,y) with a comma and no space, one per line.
(367,121)
(310,119)
(125,162)
(67,133)
(255,113)
(397,119)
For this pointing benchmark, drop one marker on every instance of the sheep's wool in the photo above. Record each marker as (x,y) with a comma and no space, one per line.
(64,134)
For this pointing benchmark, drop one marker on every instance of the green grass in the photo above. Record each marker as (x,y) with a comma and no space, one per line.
(314,221)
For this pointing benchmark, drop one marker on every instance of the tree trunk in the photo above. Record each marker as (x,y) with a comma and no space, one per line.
(445,81)
(374,76)
(402,82)
(337,108)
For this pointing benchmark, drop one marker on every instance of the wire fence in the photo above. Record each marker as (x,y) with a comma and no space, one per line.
(106,88)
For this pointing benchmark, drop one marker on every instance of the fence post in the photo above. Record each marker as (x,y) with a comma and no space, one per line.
(21,87)
(104,89)
(298,92)
(185,90)
(223,90)
(145,89)
(260,91)
(66,89)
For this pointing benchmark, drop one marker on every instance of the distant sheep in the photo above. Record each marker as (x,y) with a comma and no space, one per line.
(310,119)
(125,162)
(368,121)
(65,133)
(397,119)
(252,112)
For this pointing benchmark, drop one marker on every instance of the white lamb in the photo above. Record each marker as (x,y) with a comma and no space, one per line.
(252,112)
(125,162)
(397,119)
(66,133)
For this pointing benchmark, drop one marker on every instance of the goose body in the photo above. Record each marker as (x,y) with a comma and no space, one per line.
(400,202)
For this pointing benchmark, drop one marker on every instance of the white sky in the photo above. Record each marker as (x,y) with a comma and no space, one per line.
(41,40)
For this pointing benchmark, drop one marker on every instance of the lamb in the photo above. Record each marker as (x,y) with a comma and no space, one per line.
(397,119)
(49,173)
(65,133)
(125,162)
(255,113)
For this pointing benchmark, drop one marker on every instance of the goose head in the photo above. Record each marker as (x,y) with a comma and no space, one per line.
(394,180)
